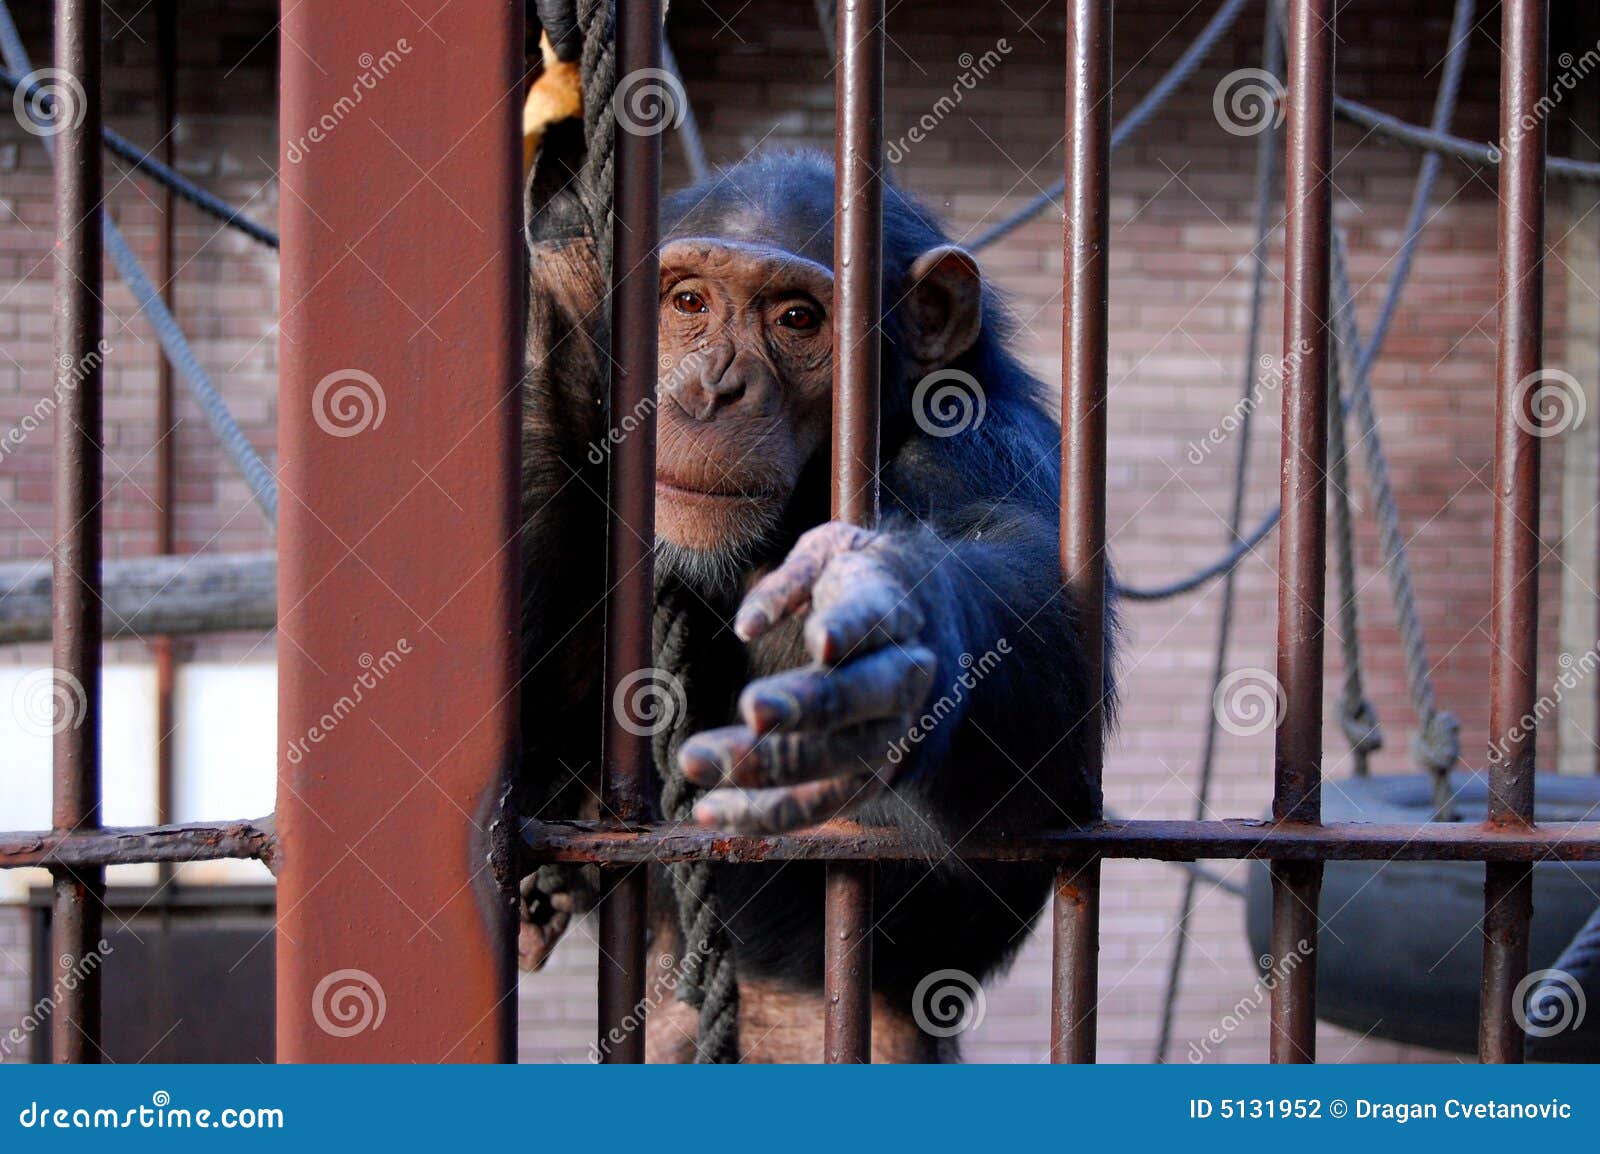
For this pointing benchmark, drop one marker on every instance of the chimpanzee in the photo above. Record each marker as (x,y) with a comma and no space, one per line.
(925,674)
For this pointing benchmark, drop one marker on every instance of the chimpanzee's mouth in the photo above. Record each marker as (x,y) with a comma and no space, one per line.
(719,492)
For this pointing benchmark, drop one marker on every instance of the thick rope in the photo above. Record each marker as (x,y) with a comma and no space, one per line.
(1436,745)
(176,346)
(597,179)
(1358,717)
(707,980)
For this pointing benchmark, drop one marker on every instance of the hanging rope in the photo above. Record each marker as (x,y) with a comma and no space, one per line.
(684,631)
(707,979)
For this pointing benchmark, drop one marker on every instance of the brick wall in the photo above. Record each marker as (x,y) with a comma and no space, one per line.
(1181,234)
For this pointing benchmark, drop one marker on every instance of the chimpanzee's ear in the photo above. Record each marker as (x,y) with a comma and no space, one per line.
(944,308)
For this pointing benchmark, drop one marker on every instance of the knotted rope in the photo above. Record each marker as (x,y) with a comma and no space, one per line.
(686,635)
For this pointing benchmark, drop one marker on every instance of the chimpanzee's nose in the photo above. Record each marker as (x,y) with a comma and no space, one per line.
(702,395)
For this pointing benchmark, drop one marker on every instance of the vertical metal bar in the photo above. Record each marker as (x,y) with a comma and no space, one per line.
(857,347)
(1084,334)
(1508,889)
(402,314)
(1308,197)
(75,590)
(631,471)
(165,648)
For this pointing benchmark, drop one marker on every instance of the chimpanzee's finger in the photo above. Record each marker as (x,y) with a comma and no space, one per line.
(736,756)
(787,589)
(889,682)
(758,811)
(859,603)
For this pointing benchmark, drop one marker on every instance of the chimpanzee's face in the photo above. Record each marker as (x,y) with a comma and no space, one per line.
(744,389)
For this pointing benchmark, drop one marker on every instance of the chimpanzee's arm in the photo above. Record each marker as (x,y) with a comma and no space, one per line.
(946,664)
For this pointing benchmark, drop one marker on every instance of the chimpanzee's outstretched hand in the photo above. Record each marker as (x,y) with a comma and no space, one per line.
(817,740)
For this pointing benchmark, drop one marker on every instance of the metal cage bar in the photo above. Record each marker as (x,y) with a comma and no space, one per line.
(75,608)
(630,528)
(1514,613)
(1084,335)
(1308,239)
(399,522)
(336,907)
(857,344)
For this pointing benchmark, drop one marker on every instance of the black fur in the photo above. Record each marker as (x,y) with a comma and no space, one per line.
(974,517)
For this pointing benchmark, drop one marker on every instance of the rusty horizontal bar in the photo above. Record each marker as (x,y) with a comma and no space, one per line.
(1233,838)
(204,841)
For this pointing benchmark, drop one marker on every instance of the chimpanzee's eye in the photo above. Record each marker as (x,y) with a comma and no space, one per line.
(689,302)
(799,318)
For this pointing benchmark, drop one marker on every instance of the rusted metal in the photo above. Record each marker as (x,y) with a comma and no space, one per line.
(1074,984)
(847,963)
(1084,335)
(402,318)
(631,470)
(857,347)
(1302,538)
(201,841)
(1514,614)
(75,605)
(1232,838)
(164,648)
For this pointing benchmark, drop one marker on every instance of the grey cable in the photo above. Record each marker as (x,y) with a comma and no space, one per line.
(1142,113)
(237,445)
(694,149)
(142,161)
(1266,167)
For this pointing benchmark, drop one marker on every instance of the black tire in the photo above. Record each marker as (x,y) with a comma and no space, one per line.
(1400,951)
